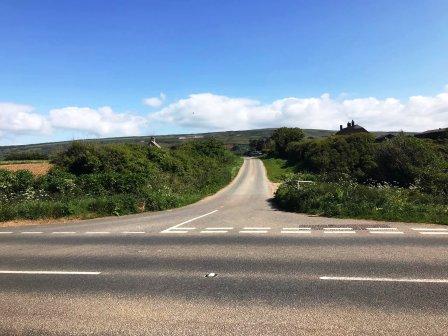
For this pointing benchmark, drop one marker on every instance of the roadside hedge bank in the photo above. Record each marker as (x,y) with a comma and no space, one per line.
(90,180)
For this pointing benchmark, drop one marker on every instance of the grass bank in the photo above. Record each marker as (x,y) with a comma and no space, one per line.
(277,169)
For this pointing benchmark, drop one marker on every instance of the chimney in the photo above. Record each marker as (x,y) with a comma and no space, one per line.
(340,127)
(353,123)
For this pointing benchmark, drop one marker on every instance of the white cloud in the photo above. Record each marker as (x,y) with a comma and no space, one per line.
(102,121)
(20,119)
(209,111)
(155,101)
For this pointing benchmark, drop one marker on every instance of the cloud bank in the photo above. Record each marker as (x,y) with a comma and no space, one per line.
(214,112)
(208,111)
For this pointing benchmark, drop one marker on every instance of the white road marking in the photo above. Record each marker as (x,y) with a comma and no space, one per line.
(97,232)
(435,233)
(64,232)
(214,231)
(50,272)
(133,232)
(339,278)
(174,231)
(296,231)
(338,228)
(219,228)
(297,228)
(340,231)
(381,229)
(253,231)
(31,232)
(423,229)
(387,232)
(176,227)
(5,232)
(257,228)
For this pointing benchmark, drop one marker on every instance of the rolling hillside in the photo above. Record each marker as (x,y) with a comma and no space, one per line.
(230,138)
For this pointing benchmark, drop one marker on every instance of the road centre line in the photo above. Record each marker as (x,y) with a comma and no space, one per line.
(214,231)
(340,278)
(63,232)
(175,227)
(50,272)
(174,231)
(31,232)
(97,232)
(253,231)
(5,232)
(133,232)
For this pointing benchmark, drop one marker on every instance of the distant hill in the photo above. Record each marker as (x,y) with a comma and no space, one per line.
(230,138)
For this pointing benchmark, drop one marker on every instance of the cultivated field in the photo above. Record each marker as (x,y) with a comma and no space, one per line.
(36,168)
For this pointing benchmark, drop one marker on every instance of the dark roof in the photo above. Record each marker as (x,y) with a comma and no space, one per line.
(352,129)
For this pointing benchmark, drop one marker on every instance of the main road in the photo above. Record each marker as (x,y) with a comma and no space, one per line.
(269,272)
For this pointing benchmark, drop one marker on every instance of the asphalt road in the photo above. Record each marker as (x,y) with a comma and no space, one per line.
(276,273)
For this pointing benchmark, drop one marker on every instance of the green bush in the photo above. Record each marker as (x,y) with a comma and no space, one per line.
(403,160)
(353,200)
(89,180)
(25,156)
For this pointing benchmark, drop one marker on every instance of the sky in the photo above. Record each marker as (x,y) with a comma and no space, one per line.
(92,69)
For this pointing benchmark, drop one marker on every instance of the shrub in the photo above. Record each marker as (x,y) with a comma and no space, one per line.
(404,159)
(348,199)
(25,155)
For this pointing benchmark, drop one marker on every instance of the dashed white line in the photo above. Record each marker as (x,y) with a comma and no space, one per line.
(295,231)
(133,232)
(424,229)
(298,228)
(64,232)
(336,229)
(50,272)
(340,278)
(5,232)
(381,229)
(219,228)
(253,231)
(435,233)
(31,232)
(214,231)
(174,231)
(387,232)
(97,232)
(340,232)
(257,228)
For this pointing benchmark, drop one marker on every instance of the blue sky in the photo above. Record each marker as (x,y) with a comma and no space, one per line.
(74,69)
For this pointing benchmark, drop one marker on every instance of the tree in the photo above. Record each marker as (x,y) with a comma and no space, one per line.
(283,136)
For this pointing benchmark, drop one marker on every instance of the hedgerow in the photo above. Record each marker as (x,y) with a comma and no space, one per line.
(90,180)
